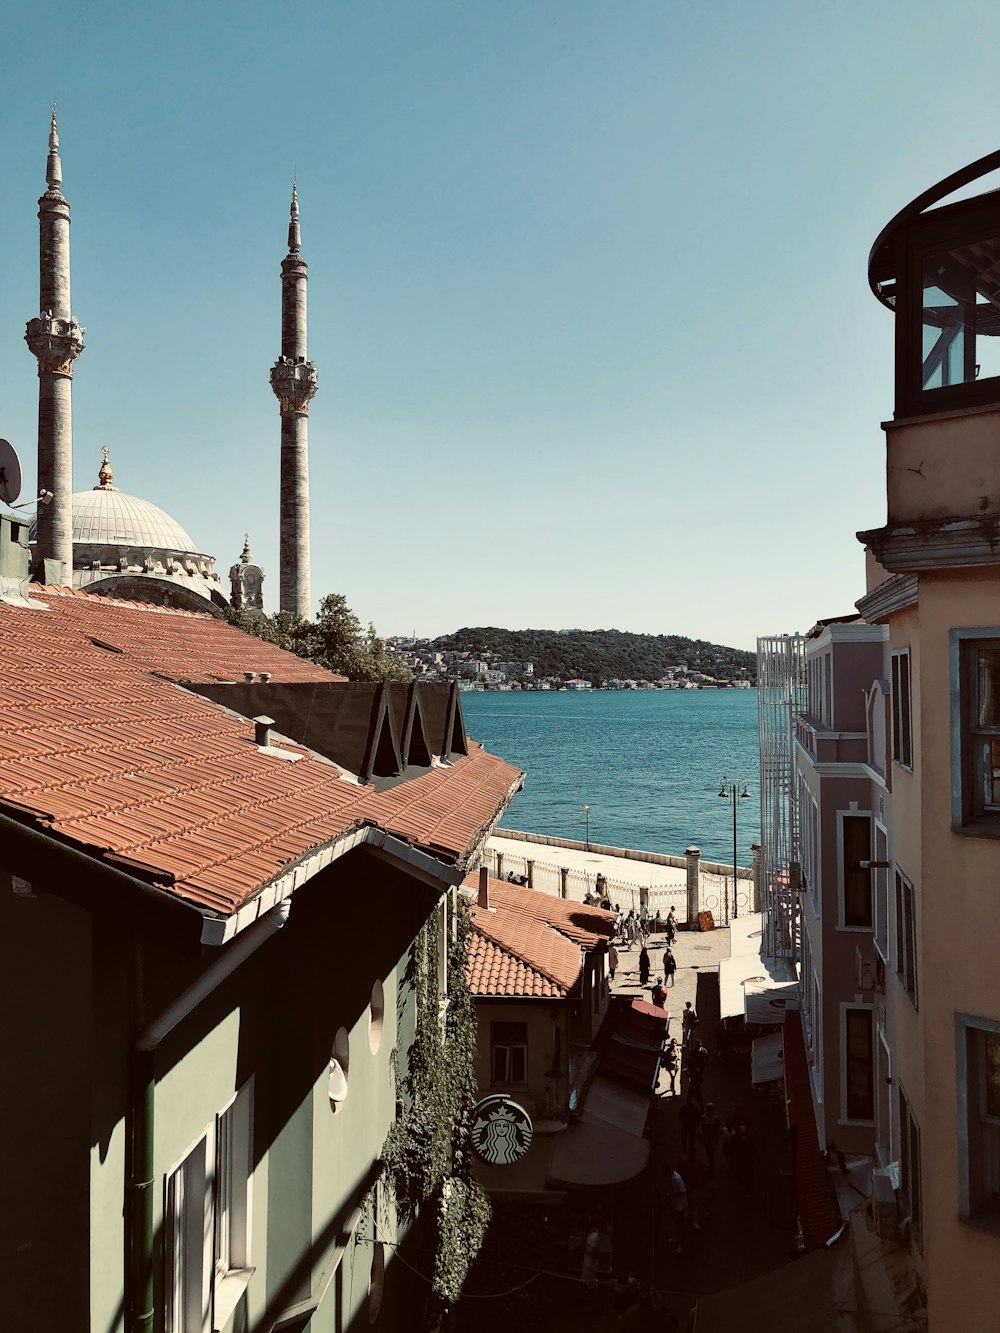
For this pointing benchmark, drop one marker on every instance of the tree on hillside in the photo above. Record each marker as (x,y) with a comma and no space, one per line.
(334,640)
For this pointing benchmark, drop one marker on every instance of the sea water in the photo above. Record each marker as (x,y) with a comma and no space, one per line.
(649,763)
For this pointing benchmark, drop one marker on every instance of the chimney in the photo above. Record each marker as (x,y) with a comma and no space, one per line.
(484,888)
(262,731)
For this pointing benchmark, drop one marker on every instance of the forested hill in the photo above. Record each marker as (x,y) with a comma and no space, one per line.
(602,654)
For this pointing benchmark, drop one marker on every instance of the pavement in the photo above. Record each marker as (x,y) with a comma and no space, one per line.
(738,1238)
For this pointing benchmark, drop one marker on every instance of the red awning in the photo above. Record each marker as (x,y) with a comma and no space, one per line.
(651,1010)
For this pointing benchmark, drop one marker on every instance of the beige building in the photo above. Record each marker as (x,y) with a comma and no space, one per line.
(934,582)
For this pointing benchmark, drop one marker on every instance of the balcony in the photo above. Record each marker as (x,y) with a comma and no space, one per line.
(824,745)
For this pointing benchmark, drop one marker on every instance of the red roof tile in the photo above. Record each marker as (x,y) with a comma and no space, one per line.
(103,749)
(584,925)
(512,955)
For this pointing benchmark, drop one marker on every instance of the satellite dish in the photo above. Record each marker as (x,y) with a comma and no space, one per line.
(10,473)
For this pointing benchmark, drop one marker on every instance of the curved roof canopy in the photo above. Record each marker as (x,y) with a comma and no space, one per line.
(882,258)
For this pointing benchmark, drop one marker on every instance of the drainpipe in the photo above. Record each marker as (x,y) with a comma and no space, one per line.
(141,1111)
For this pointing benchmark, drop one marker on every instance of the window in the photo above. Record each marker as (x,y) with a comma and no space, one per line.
(376,1017)
(959,316)
(906,936)
(207,1222)
(859,1080)
(902,738)
(909,1164)
(340,1063)
(857,879)
(980,1081)
(509,1054)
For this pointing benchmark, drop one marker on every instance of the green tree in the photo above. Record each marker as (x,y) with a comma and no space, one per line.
(334,640)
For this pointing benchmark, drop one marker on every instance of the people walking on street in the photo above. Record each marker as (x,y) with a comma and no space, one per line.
(677,1204)
(672,1063)
(689,1020)
(643,966)
(694,1067)
(690,1119)
(710,1129)
(671,926)
(612,961)
(659,994)
(669,965)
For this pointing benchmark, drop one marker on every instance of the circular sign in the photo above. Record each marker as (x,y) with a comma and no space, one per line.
(10,473)
(501,1130)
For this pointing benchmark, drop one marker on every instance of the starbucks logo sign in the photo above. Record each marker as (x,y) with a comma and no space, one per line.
(501,1130)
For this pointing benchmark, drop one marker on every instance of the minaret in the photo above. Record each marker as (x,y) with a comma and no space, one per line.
(56,339)
(293,380)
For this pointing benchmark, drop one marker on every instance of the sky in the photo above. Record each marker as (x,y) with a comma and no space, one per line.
(587,285)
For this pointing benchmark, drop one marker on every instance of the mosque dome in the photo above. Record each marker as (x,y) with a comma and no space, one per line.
(127,547)
(106,516)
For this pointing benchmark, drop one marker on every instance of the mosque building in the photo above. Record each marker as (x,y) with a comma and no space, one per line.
(107,542)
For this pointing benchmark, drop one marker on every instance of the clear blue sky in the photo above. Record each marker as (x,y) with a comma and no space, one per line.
(587,284)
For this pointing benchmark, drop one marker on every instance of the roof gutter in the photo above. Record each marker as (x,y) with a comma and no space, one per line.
(141,1113)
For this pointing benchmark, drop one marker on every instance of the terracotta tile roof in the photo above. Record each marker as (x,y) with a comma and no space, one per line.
(812,1184)
(513,955)
(584,925)
(194,648)
(100,749)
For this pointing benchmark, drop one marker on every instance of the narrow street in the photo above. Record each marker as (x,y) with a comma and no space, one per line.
(737,1238)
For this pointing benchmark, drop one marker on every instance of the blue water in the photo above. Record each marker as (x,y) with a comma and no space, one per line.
(648,763)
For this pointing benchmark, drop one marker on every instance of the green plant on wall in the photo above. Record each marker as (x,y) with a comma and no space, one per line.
(427,1153)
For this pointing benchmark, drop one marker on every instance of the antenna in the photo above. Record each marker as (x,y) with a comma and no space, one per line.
(10,473)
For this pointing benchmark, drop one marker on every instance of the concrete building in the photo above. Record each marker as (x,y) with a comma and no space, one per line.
(205,1051)
(934,582)
(843,819)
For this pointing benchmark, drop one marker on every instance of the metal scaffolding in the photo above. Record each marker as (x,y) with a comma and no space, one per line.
(781,694)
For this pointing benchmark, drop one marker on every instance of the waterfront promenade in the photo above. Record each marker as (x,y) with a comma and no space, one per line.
(558,865)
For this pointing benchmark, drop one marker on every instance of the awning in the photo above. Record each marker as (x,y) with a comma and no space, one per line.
(767,1060)
(650,1011)
(747,970)
(787,1300)
(616,1105)
(592,1154)
(770,1001)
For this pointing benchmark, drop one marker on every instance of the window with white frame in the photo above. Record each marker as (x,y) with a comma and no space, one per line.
(207,1218)
(902,726)
(909,1165)
(856,879)
(979,1087)
(859,1071)
(906,935)
(509,1053)
(975,667)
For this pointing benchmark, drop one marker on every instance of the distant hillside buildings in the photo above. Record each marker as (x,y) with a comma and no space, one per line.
(482,670)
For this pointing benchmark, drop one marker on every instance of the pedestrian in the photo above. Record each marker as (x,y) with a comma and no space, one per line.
(695,1078)
(690,1119)
(659,996)
(671,926)
(657,922)
(693,1174)
(672,1063)
(601,886)
(669,965)
(644,966)
(677,1204)
(612,961)
(689,1021)
(744,1156)
(710,1130)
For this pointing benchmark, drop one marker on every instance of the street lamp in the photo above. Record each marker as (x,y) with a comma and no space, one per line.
(586,815)
(730,791)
